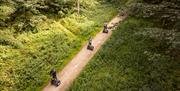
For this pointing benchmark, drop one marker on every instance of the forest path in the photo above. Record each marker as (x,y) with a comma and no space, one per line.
(76,65)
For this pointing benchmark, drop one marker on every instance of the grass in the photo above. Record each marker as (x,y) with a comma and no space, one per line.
(26,59)
(128,62)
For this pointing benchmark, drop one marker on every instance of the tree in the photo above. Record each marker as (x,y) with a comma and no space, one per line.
(78,6)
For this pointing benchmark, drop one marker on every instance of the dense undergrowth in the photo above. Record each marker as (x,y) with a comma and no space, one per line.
(130,61)
(38,35)
(143,53)
(33,43)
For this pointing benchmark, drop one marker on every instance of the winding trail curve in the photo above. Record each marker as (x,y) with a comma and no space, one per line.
(76,65)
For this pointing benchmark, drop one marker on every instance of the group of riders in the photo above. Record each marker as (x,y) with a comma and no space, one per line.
(55,81)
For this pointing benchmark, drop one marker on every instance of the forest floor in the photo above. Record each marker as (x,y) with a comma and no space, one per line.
(76,65)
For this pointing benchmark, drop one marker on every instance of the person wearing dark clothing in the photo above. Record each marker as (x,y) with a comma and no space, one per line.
(90,41)
(105,26)
(55,81)
(53,74)
(90,45)
(105,30)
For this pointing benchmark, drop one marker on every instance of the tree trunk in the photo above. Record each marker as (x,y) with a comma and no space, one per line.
(78,7)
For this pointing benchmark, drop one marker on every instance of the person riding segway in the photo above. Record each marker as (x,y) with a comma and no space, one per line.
(55,81)
(105,30)
(90,46)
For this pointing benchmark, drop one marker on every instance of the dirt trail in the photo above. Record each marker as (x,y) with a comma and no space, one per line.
(76,65)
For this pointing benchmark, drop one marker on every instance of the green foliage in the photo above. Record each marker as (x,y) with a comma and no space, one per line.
(19,13)
(5,11)
(35,43)
(6,39)
(129,62)
(165,13)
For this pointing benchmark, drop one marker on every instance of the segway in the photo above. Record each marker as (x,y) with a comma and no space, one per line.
(105,30)
(55,82)
(90,47)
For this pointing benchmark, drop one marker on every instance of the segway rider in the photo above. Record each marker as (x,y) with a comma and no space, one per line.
(105,30)
(105,26)
(55,81)
(90,46)
(90,41)
(53,74)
